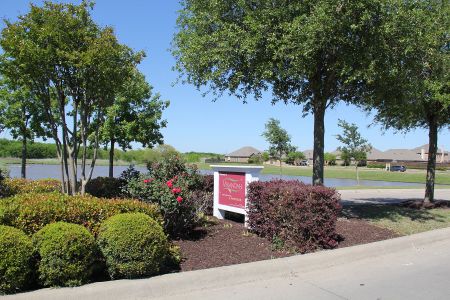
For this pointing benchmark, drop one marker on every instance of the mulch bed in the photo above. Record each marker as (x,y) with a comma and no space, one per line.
(225,242)
(418,204)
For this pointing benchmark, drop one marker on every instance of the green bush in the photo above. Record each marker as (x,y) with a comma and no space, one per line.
(15,186)
(3,190)
(16,252)
(67,254)
(133,244)
(105,187)
(31,212)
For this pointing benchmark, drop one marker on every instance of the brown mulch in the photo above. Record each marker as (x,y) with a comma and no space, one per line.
(356,232)
(419,204)
(225,242)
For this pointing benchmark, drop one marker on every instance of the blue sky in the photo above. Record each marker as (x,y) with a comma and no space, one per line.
(195,123)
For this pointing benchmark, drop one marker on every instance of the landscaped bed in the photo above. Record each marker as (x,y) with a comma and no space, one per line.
(225,242)
(143,225)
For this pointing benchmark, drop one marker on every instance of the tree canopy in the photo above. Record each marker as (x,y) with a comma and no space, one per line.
(19,114)
(135,116)
(410,79)
(306,52)
(75,68)
(278,139)
(354,145)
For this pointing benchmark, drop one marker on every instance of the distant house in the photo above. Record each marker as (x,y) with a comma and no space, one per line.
(418,155)
(442,156)
(242,155)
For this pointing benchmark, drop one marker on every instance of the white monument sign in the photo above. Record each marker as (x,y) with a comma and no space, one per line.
(230,188)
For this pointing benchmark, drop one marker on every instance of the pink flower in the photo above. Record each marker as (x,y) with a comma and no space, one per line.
(169,183)
(176,190)
(179,199)
(148,180)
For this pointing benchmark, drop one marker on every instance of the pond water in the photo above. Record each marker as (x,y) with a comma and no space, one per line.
(37,171)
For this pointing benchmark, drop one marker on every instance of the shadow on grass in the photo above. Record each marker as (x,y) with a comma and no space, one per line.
(394,213)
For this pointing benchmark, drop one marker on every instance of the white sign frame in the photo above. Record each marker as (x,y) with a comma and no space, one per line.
(251,174)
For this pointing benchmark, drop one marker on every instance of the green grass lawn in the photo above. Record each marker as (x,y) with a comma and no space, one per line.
(400,187)
(414,176)
(401,220)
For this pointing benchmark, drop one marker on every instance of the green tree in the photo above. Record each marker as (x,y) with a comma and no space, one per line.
(294,157)
(135,116)
(265,156)
(330,158)
(75,68)
(18,114)
(278,138)
(355,146)
(410,75)
(307,52)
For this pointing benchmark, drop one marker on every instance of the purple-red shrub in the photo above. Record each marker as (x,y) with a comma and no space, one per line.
(208,183)
(302,217)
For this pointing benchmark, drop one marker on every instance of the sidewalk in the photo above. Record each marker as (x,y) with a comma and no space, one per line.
(384,196)
(412,267)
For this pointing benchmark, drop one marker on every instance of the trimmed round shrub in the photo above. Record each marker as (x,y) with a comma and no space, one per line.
(104,187)
(67,254)
(133,244)
(16,252)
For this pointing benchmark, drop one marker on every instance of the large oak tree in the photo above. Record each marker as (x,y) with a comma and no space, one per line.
(306,52)
(410,73)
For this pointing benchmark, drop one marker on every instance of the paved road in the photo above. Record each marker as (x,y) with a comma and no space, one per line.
(413,267)
(389,195)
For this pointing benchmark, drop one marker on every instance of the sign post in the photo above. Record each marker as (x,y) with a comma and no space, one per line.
(230,188)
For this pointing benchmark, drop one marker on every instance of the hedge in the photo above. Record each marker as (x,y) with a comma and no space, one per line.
(133,244)
(298,216)
(16,253)
(31,212)
(15,186)
(67,254)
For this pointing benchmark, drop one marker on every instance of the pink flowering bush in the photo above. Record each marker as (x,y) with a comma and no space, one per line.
(169,184)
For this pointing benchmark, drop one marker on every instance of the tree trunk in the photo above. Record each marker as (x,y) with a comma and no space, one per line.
(23,171)
(357,173)
(431,166)
(281,170)
(319,141)
(111,159)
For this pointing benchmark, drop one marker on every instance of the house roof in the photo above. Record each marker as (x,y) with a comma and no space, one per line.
(244,152)
(308,154)
(401,154)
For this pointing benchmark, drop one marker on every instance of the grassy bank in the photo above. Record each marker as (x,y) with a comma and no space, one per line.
(415,176)
(401,220)
(53,161)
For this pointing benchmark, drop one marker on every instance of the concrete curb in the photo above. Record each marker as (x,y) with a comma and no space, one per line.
(209,279)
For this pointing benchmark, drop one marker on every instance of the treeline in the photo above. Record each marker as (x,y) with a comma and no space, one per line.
(38,150)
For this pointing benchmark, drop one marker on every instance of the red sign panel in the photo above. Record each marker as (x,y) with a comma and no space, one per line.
(232,189)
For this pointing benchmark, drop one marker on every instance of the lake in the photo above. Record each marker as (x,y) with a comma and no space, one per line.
(36,171)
